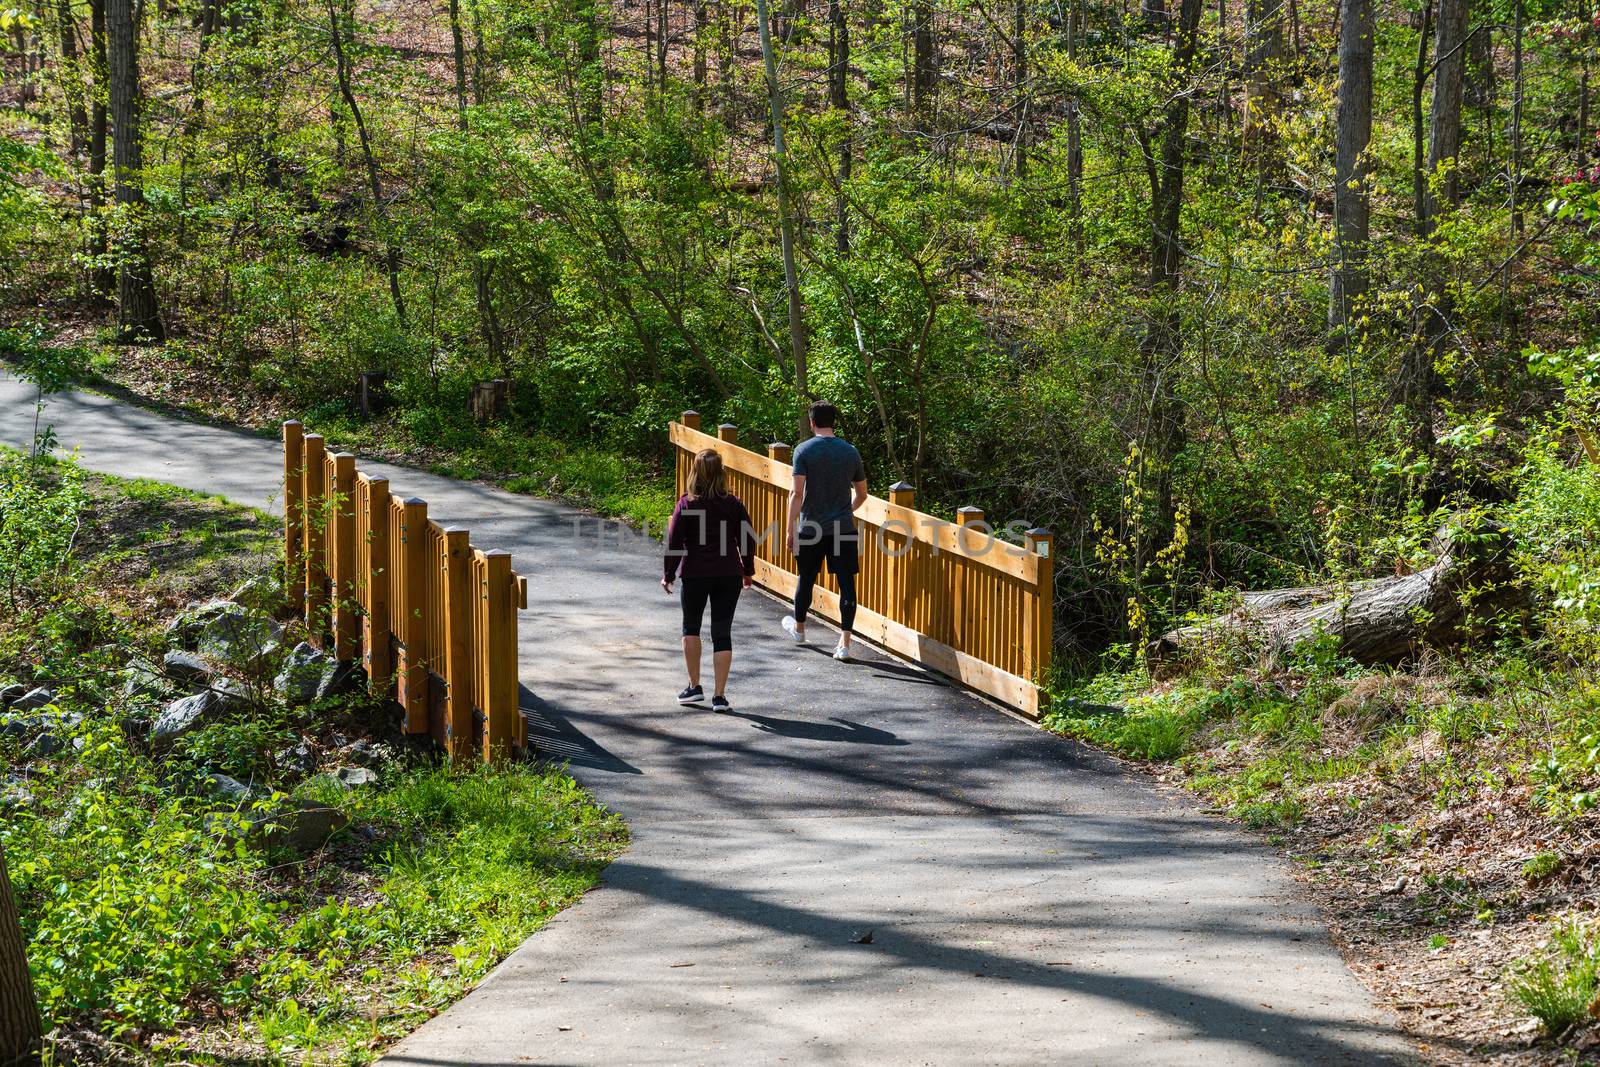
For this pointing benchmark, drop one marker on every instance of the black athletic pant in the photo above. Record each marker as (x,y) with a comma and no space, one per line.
(839,547)
(723,595)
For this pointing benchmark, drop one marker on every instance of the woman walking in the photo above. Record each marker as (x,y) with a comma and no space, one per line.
(712,542)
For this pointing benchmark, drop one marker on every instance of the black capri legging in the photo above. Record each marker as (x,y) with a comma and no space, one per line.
(723,594)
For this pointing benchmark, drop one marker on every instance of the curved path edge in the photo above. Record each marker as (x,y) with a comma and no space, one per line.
(1029,901)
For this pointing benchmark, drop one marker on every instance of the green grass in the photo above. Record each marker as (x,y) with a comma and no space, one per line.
(158,921)
(523,461)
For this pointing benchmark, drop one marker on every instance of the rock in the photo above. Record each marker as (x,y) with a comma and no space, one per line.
(185,716)
(302,827)
(142,679)
(366,754)
(263,593)
(237,635)
(233,692)
(355,777)
(44,746)
(23,727)
(301,677)
(36,698)
(43,735)
(184,630)
(297,759)
(340,679)
(10,694)
(230,789)
(185,668)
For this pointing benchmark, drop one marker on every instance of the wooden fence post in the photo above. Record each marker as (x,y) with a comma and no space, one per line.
(411,556)
(967,613)
(294,532)
(1041,543)
(497,640)
(314,505)
(903,570)
(780,452)
(456,657)
(374,570)
(346,616)
(682,457)
(728,432)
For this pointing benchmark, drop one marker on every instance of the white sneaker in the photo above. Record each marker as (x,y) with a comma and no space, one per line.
(795,633)
(841,653)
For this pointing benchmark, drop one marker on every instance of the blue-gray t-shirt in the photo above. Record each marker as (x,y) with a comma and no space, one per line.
(831,467)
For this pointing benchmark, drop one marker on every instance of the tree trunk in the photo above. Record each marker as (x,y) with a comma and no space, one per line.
(488,322)
(1264,57)
(138,316)
(1417,384)
(791,280)
(102,279)
(1585,135)
(1019,61)
(1478,90)
(1154,13)
(839,100)
(1419,82)
(700,54)
(1074,140)
(923,72)
(1161,347)
(1383,620)
(1444,138)
(1351,195)
(72,77)
(391,253)
(458,42)
(19,1012)
(662,33)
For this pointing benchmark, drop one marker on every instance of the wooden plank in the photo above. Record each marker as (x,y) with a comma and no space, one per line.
(294,533)
(503,733)
(342,542)
(1017,692)
(377,655)
(314,495)
(412,625)
(943,535)
(456,664)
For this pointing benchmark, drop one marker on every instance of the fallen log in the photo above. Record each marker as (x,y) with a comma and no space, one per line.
(1377,620)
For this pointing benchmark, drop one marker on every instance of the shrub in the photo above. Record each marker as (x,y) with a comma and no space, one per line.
(1558,984)
(41,507)
(1541,867)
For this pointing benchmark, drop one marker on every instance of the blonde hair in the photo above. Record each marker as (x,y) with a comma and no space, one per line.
(707,478)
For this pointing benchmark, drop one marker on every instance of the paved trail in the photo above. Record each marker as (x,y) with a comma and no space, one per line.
(1030,902)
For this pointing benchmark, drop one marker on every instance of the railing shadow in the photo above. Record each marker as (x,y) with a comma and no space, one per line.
(832,730)
(552,737)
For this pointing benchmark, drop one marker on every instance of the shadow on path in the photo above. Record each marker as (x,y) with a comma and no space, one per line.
(833,730)
(1297,1039)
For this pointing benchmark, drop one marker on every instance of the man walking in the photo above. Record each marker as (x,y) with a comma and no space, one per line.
(830,483)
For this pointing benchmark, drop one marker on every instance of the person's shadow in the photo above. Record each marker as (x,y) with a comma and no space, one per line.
(832,730)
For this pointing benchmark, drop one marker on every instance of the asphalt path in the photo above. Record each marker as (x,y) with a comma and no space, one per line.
(1029,900)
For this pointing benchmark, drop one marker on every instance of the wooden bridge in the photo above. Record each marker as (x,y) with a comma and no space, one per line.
(949,595)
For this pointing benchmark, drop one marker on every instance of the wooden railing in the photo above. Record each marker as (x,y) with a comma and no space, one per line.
(945,594)
(432,619)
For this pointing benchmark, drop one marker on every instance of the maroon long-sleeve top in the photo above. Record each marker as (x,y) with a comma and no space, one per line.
(710,537)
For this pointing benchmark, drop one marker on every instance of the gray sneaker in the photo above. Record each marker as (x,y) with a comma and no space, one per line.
(796,634)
